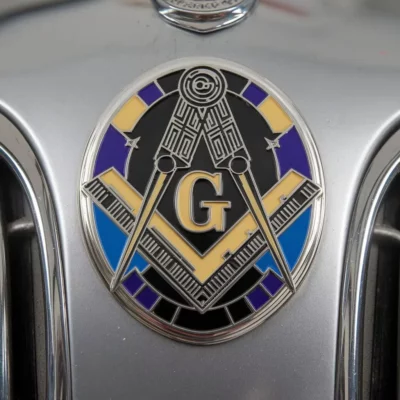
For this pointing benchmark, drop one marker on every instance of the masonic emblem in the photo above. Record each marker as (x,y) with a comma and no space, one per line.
(202,200)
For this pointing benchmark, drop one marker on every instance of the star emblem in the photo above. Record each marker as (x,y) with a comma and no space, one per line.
(133,143)
(272,144)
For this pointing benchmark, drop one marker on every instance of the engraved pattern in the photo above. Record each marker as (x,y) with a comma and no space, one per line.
(183,132)
(221,133)
(202,87)
(213,119)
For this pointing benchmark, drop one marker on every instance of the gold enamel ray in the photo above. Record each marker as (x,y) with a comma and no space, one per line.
(277,118)
(130,112)
(204,266)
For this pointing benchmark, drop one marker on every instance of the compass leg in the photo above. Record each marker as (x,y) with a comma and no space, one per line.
(240,170)
(164,170)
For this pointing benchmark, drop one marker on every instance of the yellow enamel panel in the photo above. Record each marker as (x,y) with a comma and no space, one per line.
(272,200)
(277,118)
(130,112)
(204,266)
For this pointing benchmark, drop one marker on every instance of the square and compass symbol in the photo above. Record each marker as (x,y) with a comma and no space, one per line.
(202,279)
(203,196)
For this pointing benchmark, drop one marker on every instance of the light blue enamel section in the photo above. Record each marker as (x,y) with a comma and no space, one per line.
(113,241)
(292,242)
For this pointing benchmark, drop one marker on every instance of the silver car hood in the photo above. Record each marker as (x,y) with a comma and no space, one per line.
(59,69)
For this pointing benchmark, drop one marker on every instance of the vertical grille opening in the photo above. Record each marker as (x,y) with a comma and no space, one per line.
(380,340)
(27,324)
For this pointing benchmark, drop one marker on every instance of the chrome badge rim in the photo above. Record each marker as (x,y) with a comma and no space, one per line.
(204,16)
(207,281)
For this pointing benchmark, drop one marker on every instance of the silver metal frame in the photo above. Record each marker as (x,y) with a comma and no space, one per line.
(384,167)
(88,225)
(18,154)
(5,338)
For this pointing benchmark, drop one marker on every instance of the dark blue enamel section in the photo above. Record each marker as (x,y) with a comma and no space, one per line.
(147,297)
(292,154)
(150,93)
(272,283)
(133,283)
(254,94)
(112,152)
(258,297)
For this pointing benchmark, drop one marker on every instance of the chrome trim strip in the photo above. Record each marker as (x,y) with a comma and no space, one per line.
(377,179)
(17,152)
(5,378)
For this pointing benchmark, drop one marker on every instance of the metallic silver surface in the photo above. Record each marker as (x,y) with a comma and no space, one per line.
(17,153)
(204,16)
(339,70)
(383,169)
(5,318)
(8,7)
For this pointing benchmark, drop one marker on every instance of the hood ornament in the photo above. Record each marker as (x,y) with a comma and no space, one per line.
(204,16)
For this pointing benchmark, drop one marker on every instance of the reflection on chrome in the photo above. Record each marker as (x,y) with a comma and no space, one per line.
(384,167)
(17,153)
(5,381)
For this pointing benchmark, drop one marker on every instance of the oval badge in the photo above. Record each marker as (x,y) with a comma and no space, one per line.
(202,199)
